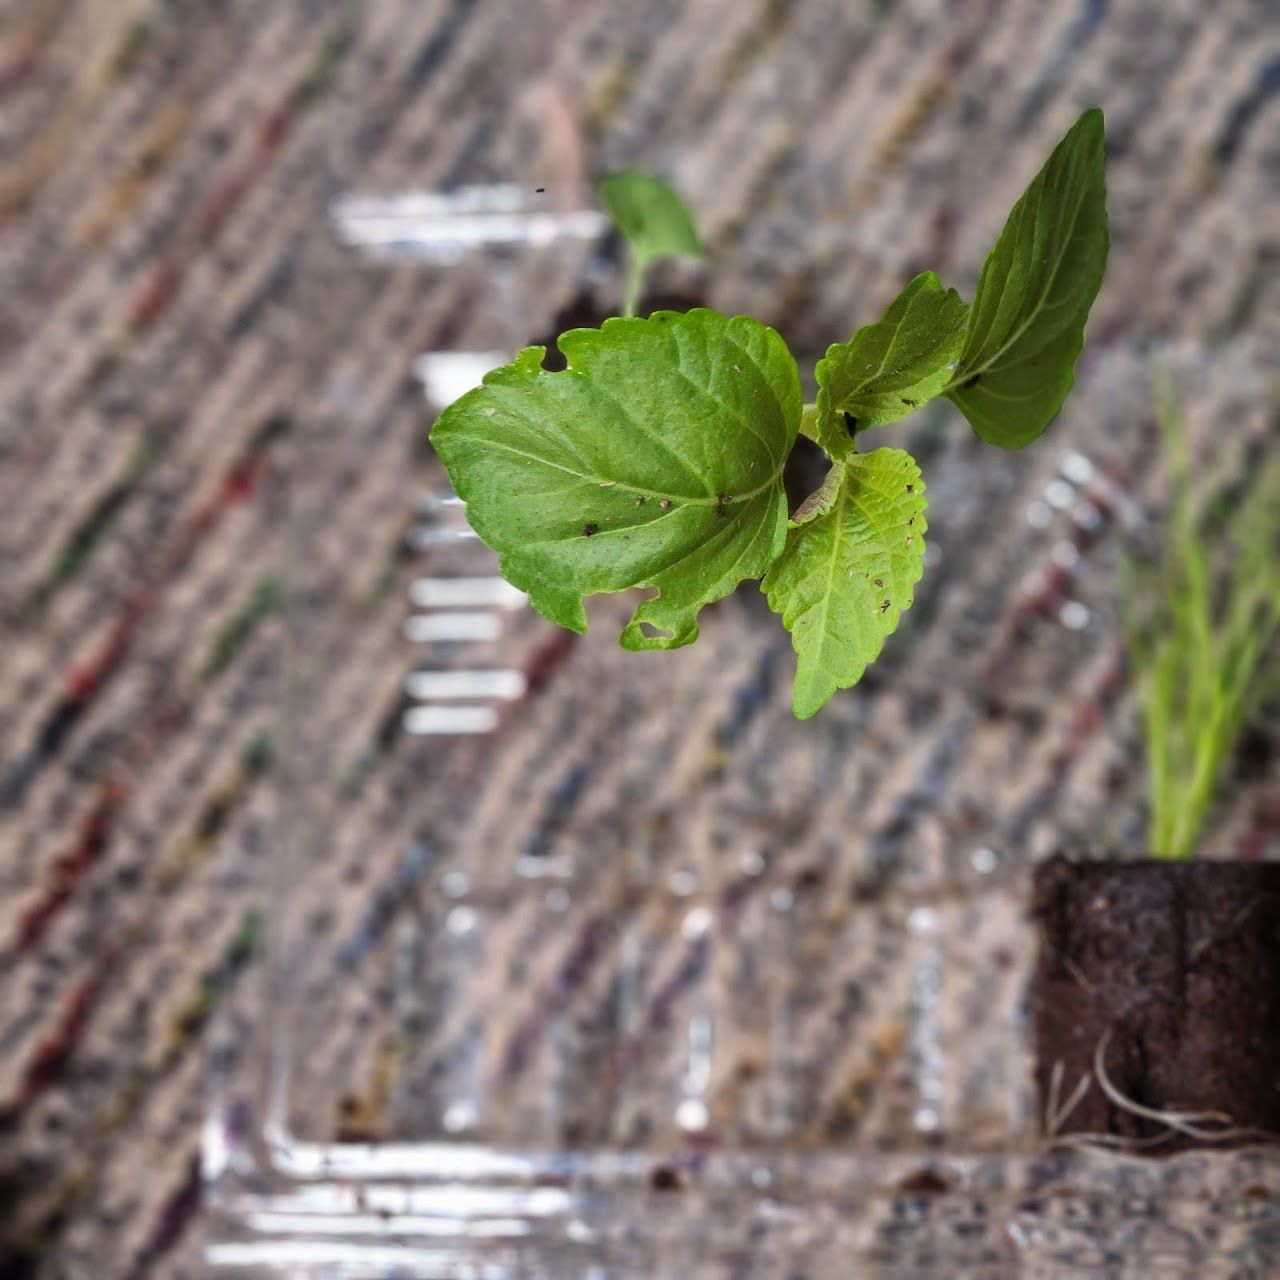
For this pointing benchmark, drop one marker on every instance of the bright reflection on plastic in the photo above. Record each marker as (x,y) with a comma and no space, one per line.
(436,720)
(442,226)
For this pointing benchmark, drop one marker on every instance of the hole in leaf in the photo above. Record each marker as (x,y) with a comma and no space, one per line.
(803,473)
(650,632)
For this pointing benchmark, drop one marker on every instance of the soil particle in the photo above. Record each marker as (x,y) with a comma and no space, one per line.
(810,879)
(925,1182)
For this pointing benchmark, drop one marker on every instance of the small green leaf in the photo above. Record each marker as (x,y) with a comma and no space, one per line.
(1026,324)
(654,460)
(654,221)
(846,575)
(890,368)
(650,214)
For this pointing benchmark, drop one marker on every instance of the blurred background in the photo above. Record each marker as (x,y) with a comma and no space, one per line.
(248,251)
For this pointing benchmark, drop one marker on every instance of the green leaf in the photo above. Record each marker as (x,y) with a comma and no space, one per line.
(846,575)
(654,221)
(890,368)
(650,214)
(654,460)
(1026,324)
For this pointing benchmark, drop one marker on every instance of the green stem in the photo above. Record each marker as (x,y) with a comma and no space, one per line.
(635,283)
(809,422)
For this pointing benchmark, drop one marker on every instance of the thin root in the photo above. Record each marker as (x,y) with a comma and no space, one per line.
(1056,1116)
(1191,1124)
(1185,1122)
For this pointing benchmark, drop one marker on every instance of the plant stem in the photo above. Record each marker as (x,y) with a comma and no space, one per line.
(809,422)
(635,283)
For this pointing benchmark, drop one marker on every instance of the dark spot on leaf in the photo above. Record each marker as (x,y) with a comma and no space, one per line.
(851,423)
(911,488)
(589,529)
(970,382)
(722,504)
(884,607)
(664,1178)
(911,519)
(641,500)
(879,582)
(911,404)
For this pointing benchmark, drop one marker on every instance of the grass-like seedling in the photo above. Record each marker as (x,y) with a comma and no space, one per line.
(1201,622)
(655,459)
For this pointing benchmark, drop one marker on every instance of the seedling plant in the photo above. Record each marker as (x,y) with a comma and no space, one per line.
(655,459)
(1202,616)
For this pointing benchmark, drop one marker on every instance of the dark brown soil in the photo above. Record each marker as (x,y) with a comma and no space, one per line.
(1175,968)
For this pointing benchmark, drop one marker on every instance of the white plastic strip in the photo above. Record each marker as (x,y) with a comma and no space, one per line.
(430,628)
(464,593)
(425,721)
(428,685)
(446,375)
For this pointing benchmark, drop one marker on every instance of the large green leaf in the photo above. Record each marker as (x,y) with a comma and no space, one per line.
(890,368)
(654,460)
(847,573)
(1026,324)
